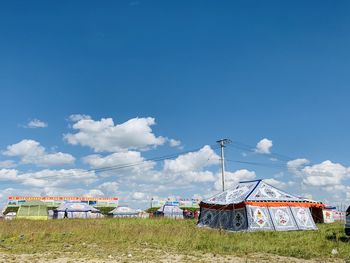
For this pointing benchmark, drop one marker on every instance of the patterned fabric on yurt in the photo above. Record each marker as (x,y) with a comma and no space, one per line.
(303,218)
(267,192)
(282,218)
(171,211)
(77,210)
(239,219)
(208,217)
(256,205)
(124,211)
(259,218)
(234,195)
(224,219)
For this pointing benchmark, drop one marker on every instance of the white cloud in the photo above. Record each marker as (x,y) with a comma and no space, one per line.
(192,161)
(129,162)
(174,143)
(325,174)
(109,188)
(94,193)
(8,175)
(49,178)
(295,166)
(78,117)
(276,183)
(326,180)
(35,123)
(105,136)
(233,178)
(264,146)
(190,167)
(7,164)
(31,152)
(138,196)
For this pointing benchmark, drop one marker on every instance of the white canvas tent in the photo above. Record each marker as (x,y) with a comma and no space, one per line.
(10,216)
(171,211)
(77,210)
(124,211)
(256,205)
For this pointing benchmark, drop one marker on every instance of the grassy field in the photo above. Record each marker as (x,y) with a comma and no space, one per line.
(103,238)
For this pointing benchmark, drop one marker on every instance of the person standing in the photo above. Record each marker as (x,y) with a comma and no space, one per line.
(65,213)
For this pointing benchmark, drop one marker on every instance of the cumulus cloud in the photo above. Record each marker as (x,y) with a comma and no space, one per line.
(174,143)
(49,178)
(138,196)
(8,175)
(233,178)
(109,188)
(276,183)
(190,167)
(325,177)
(129,162)
(264,146)
(295,166)
(78,117)
(105,136)
(94,193)
(31,152)
(326,173)
(35,123)
(7,164)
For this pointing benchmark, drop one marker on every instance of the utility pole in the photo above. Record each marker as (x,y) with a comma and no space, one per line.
(222,143)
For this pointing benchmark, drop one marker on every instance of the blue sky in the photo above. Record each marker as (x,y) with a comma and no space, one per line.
(190,71)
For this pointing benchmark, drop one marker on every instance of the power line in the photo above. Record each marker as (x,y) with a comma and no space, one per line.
(249,148)
(271,165)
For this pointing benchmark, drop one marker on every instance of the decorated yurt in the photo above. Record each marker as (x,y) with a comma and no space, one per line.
(33,209)
(124,211)
(76,210)
(256,205)
(171,211)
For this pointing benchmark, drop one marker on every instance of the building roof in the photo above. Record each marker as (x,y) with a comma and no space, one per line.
(123,210)
(76,207)
(253,191)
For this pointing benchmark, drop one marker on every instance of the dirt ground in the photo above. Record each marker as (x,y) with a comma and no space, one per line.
(156,256)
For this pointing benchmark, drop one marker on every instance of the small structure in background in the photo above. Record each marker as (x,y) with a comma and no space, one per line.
(170,211)
(10,216)
(104,204)
(33,209)
(256,205)
(331,215)
(76,210)
(124,211)
(143,214)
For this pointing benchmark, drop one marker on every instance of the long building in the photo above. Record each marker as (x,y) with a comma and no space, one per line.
(102,203)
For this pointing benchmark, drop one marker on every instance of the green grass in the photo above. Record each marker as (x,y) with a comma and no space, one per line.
(103,237)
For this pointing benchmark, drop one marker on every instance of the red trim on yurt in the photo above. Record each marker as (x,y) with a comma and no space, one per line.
(281,203)
(261,203)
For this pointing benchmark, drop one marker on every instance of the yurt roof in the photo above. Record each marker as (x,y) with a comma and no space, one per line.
(76,207)
(123,210)
(170,209)
(253,191)
(34,203)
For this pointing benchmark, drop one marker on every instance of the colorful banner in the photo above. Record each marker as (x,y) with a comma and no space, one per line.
(194,203)
(57,200)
